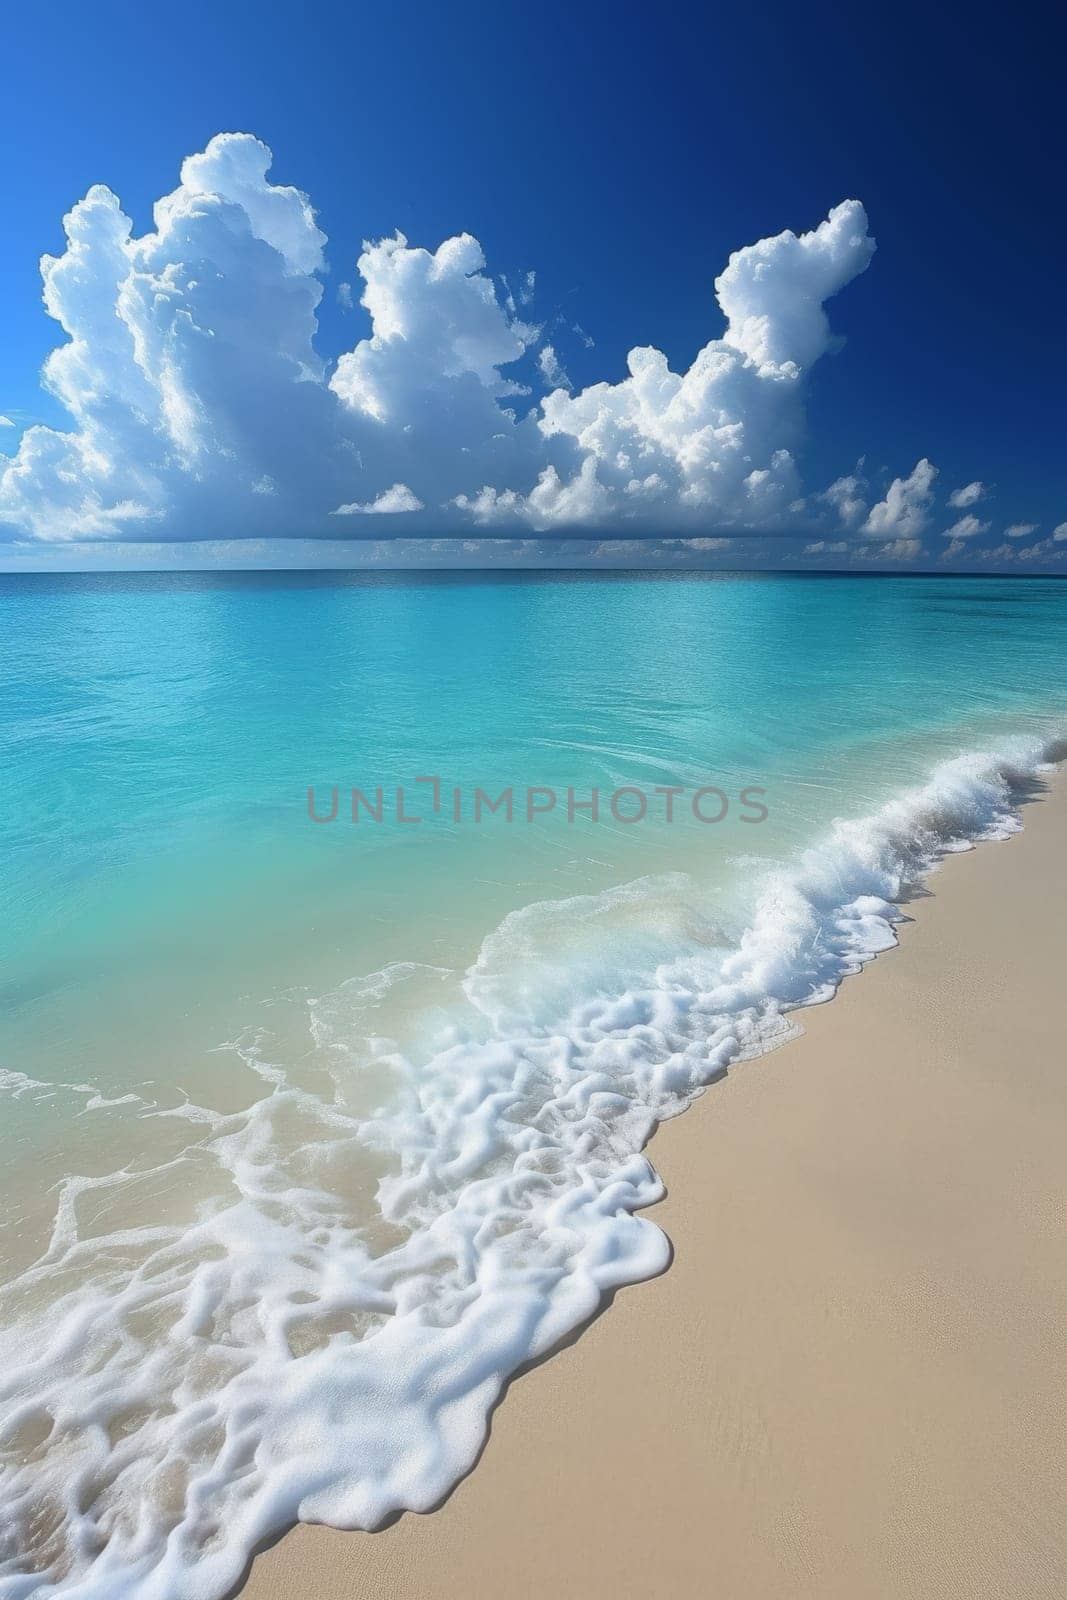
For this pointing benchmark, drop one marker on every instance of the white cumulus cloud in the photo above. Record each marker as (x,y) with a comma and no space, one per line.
(200,408)
(969,495)
(966,528)
(1020,530)
(905,511)
(388,503)
(191,374)
(715,443)
(846,496)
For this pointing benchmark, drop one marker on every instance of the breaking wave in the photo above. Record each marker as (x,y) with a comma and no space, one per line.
(442,1184)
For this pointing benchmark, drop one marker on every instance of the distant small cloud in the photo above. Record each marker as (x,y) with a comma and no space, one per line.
(389,503)
(895,550)
(965,528)
(846,497)
(656,552)
(619,549)
(552,369)
(1059,533)
(1020,530)
(344,295)
(969,495)
(705,547)
(6,422)
(1043,550)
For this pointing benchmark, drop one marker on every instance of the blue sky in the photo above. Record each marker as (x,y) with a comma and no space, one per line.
(620,154)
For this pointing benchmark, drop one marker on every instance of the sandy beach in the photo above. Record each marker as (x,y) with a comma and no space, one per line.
(850,1380)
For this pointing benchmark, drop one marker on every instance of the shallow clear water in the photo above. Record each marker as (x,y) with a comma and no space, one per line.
(293,1107)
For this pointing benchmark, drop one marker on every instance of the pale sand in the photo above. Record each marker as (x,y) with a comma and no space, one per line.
(851,1380)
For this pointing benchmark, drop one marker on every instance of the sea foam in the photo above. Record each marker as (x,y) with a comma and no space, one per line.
(326,1339)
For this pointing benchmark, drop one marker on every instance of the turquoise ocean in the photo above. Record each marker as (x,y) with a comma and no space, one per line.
(314,1131)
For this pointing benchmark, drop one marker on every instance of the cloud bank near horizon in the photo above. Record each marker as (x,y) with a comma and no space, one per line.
(201,408)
